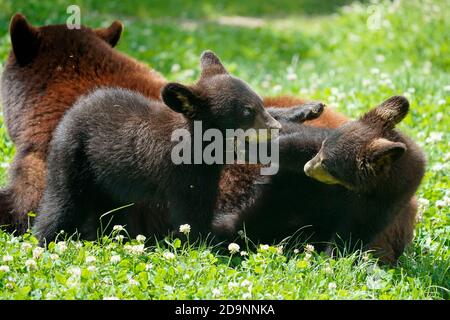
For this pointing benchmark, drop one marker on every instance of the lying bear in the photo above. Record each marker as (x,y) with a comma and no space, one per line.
(47,70)
(365,174)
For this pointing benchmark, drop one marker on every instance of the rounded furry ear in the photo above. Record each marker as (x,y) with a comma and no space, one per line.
(390,112)
(383,152)
(210,64)
(24,38)
(180,99)
(112,33)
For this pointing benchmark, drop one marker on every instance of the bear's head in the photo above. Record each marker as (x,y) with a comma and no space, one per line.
(56,42)
(218,98)
(360,154)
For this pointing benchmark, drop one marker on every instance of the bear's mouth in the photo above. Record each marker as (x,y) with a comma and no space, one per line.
(314,169)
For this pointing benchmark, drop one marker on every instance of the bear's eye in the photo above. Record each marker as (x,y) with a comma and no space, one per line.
(248,112)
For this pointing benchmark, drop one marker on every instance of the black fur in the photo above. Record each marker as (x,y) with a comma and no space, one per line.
(372,193)
(101,160)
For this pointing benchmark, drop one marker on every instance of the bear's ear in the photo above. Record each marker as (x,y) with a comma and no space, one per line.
(24,39)
(389,113)
(111,34)
(181,99)
(211,65)
(383,152)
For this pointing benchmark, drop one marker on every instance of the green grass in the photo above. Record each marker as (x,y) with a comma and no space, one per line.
(351,57)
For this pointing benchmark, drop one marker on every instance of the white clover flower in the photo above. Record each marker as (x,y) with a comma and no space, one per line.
(185,229)
(379,58)
(279,249)
(438,167)
(60,247)
(291,76)
(232,285)
(141,238)
(264,247)
(115,259)
(78,244)
(374,71)
(37,252)
(434,137)
(423,202)
(304,91)
(277,88)
(265,84)
(92,268)
(241,234)
(135,249)
(296,251)
(26,246)
(328,270)
(439,115)
(233,248)
(247,295)
(90,259)
(148,266)
(75,271)
(4,269)
(168,255)
(110,298)
(118,228)
(309,248)
(175,68)
(133,282)
(54,256)
(216,292)
(332,286)
(119,238)
(244,253)
(14,240)
(31,264)
(246,283)
(7,258)
(307,256)
(447,88)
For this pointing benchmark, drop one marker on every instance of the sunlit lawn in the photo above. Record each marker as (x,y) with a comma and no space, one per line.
(351,57)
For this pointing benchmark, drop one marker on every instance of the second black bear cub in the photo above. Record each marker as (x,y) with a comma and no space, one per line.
(100,160)
(364,174)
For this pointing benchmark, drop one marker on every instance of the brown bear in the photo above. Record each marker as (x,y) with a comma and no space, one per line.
(72,63)
(47,70)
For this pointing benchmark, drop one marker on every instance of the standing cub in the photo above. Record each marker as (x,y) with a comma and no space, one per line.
(100,160)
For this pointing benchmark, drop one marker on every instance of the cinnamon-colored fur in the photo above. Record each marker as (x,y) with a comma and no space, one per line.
(74,62)
(37,91)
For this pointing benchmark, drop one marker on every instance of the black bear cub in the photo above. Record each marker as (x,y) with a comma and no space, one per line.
(100,159)
(364,174)
(380,168)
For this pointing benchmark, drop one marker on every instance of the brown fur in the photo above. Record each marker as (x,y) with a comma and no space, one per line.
(35,95)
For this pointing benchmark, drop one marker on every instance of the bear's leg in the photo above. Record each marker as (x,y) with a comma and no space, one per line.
(298,114)
(193,207)
(6,210)
(389,244)
(22,195)
(57,212)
